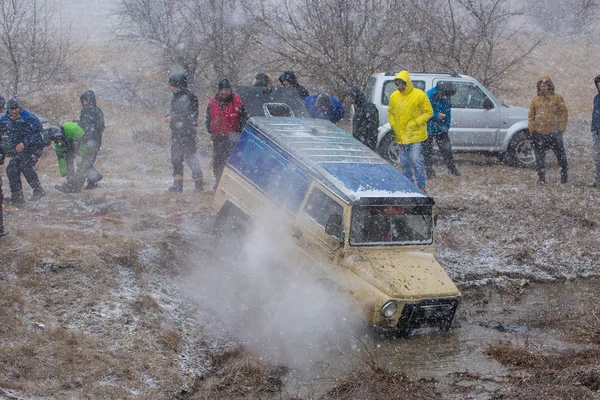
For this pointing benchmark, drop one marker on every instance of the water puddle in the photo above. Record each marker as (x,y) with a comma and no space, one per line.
(486,316)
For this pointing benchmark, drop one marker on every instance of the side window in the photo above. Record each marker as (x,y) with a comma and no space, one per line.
(389,87)
(370,88)
(468,95)
(280,178)
(321,207)
(419,85)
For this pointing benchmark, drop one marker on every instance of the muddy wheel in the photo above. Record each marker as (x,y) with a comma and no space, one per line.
(520,150)
(229,230)
(388,148)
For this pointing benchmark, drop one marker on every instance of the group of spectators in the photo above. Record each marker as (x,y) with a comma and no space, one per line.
(416,118)
(226,116)
(22,140)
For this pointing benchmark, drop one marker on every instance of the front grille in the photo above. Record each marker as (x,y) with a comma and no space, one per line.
(428,313)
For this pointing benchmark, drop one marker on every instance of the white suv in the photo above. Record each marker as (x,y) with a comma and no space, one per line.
(479,121)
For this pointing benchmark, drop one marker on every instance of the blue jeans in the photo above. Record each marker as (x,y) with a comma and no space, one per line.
(412,159)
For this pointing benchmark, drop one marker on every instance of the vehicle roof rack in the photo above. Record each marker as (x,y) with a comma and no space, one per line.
(452,74)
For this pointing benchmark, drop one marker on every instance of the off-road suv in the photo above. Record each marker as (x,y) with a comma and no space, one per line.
(479,121)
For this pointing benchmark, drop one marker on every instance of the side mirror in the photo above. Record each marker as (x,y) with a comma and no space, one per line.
(487,104)
(334,225)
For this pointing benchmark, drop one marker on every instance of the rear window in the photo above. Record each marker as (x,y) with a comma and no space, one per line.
(391,225)
(389,87)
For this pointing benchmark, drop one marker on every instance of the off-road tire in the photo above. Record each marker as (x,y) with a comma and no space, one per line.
(388,148)
(520,150)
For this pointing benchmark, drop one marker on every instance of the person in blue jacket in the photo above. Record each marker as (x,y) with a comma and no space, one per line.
(438,126)
(22,137)
(324,106)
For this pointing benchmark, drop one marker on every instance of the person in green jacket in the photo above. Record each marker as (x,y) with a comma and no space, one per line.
(70,142)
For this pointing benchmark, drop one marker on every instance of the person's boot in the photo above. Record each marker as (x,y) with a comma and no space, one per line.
(177,184)
(198,186)
(67,188)
(93,178)
(37,194)
(563,177)
(454,170)
(15,199)
(541,178)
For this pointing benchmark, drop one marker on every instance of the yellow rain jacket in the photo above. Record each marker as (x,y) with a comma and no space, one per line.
(408,112)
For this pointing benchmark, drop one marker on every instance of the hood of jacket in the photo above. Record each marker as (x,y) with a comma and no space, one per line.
(550,83)
(405,76)
(357,94)
(90,97)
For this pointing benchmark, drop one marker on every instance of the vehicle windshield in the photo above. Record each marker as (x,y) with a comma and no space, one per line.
(391,225)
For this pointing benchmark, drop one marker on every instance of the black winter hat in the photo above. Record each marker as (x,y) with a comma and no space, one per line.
(262,79)
(2,102)
(12,103)
(324,101)
(446,88)
(224,84)
(289,76)
(596,79)
(356,93)
(178,80)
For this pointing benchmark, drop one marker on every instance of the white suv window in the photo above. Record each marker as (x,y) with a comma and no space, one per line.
(468,95)
(389,87)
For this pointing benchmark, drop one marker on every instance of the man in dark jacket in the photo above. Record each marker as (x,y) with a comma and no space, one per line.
(225,118)
(183,121)
(438,127)
(288,79)
(365,122)
(596,132)
(23,142)
(91,120)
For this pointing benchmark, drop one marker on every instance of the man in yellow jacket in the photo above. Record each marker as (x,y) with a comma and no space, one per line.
(408,113)
(548,118)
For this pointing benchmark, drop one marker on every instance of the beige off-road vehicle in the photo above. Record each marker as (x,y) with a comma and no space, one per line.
(357,222)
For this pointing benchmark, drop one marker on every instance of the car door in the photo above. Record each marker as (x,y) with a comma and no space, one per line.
(476,118)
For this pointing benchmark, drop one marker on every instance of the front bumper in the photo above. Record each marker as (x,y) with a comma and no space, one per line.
(428,313)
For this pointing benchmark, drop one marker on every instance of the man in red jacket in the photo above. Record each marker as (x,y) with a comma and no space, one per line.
(225,118)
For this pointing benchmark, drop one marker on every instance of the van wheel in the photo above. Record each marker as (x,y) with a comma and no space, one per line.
(229,230)
(520,150)
(388,148)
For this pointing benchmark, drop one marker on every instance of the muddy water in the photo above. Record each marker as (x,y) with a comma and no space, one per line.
(486,316)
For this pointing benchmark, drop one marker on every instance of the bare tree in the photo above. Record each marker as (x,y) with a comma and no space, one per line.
(564,17)
(33,52)
(197,36)
(335,43)
(475,37)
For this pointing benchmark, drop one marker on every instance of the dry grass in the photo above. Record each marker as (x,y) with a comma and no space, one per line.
(238,375)
(369,380)
(571,375)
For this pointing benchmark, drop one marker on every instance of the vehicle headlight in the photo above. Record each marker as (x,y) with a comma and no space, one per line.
(389,309)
